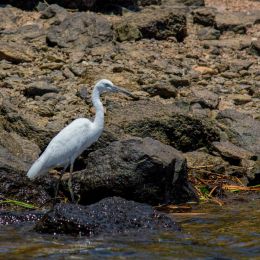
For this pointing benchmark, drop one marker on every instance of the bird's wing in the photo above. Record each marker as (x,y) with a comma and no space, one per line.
(69,142)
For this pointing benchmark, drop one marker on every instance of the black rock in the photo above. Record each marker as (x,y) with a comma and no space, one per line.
(8,218)
(143,170)
(39,89)
(108,216)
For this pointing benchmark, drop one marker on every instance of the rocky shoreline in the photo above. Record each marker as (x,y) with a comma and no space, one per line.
(195,73)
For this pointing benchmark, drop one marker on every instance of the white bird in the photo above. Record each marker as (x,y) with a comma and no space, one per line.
(76,137)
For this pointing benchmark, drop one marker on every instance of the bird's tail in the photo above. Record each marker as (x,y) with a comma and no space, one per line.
(36,169)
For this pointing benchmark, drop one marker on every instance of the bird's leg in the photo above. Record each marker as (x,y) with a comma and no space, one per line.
(58,186)
(70,184)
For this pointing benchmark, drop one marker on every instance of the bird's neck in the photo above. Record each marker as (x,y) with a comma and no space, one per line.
(99,117)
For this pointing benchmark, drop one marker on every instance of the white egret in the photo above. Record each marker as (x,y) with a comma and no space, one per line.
(76,137)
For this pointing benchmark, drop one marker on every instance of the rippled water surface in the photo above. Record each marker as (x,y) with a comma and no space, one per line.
(212,232)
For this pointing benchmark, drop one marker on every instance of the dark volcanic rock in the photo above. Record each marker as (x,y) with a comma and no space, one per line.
(15,120)
(39,88)
(209,33)
(163,89)
(242,129)
(80,31)
(108,216)
(143,170)
(204,16)
(255,47)
(8,218)
(157,24)
(183,132)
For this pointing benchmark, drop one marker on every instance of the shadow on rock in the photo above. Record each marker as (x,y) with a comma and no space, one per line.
(144,170)
(108,216)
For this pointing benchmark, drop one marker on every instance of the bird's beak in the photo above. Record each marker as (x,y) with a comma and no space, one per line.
(122,90)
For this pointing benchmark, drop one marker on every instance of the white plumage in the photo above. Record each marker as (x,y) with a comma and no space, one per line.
(71,141)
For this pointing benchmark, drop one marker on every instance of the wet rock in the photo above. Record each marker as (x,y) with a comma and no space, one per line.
(108,216)
(15,53)
(9,218)
(209,34)
(232,152)
(162,89)
(143,170)
(80,31)
(39,89)
(241,129)
(204,16)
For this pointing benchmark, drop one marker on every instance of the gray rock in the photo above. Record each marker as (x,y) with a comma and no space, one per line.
(232,152)
(162,89)
(143,170)
(80,31)
(108,216)
(179,82)
(255,47)
(242,129)
(209,34)
(39,89)
(15,53)
(204,16)
(25,125)
(206,98)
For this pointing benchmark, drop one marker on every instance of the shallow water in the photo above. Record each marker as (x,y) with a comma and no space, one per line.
(210,232)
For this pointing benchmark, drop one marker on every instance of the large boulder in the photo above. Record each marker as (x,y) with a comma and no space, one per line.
(241,129)
(159,23)
(108,216)
(81,31)
(143,170)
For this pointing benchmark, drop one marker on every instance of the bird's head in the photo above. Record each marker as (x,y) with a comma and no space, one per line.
(105,85)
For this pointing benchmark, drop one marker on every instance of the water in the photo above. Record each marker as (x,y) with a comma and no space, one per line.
(210,232)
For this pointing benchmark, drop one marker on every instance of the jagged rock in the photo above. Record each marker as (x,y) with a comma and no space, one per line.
(198,160)
(16,156)
(179,82)
(157,24)
(209,34)
(162,89)
(236,22)
(143,170)
(8,218)
(25,125)
(206,98)
(232,152)
(80,31)
(39,89)
(108,216)
(204,16)
(255,47)
(167,123)
(15,53)
(127,32)
(241,129)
